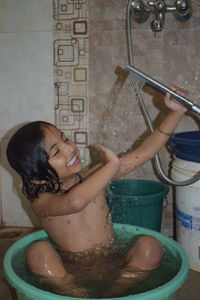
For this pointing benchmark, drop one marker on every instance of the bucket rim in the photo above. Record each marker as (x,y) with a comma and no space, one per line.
(180,137)
(164,191)
(22,286)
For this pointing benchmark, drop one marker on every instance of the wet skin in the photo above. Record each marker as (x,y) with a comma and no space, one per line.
(84,228)
(79,220)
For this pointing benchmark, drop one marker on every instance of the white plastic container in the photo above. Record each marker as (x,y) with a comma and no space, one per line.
(188,209)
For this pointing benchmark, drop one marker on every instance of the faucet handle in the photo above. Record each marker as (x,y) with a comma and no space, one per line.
(183,10)
(139,12)
(137,5)
(152,3)
(181,4)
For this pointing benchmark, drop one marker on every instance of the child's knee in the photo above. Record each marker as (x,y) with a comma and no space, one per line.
(43,260)
(37,250)
(36,255)
(146,253)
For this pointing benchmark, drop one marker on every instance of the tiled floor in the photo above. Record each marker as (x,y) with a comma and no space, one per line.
(189,291)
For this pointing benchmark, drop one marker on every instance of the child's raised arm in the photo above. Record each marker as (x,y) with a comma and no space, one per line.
(82,194)
(154,142)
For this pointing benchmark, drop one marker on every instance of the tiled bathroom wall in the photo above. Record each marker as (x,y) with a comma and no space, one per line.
(172,56)
(26,89)
(71,76)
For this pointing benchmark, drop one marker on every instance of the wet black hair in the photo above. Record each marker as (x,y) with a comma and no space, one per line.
(27,156)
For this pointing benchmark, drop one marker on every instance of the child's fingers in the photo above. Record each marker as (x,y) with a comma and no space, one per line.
(101,149)
(168,95)
(95,146)
(179,90)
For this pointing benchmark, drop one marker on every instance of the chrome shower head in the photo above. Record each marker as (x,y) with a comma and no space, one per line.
(140,76)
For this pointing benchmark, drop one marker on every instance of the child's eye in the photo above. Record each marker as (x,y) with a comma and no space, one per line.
(54,154)
(64,138)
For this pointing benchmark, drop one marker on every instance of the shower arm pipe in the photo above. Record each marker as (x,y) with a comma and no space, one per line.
(168,8)
(129,36)
(145,112)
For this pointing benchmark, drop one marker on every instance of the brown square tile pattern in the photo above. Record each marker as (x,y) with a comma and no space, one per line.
(71,61)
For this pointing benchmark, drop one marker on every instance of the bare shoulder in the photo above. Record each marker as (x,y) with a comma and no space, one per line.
(41,204)
(56,204)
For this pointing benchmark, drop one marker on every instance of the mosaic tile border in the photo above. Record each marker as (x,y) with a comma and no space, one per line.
(71,76)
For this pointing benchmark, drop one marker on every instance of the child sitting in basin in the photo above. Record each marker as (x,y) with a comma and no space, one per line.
(74,212)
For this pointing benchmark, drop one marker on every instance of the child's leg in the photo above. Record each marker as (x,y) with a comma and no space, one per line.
(143,257)
(44,261)
(145,254)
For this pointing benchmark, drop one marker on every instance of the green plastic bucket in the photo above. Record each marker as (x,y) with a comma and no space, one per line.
(26,291)
(137,202)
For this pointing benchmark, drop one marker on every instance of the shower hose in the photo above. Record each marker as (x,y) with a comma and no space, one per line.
(145,112)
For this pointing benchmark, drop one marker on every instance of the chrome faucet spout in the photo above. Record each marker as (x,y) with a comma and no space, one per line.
(159,9)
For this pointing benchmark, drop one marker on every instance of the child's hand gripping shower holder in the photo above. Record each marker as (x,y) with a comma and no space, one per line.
(142,77)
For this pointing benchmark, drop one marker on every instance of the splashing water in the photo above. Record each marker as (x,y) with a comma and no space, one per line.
(131,87)
(125,115)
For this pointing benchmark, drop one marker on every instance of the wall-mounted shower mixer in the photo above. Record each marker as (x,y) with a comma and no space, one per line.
(141,11)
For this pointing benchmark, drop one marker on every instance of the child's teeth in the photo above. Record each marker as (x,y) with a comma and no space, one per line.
(71,161)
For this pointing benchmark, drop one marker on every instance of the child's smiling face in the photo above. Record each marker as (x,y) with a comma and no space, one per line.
(64,156)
